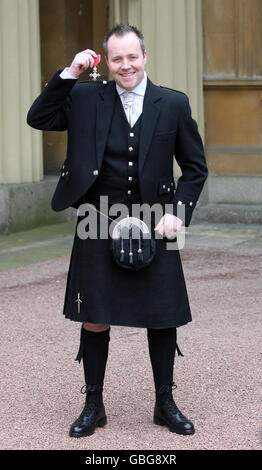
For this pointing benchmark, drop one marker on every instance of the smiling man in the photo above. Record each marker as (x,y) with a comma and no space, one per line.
(122,138)
(126,59)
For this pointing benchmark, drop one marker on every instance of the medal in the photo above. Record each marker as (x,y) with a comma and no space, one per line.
(94,75)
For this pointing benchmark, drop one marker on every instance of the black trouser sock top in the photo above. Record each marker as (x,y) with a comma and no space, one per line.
(94,352)
(162,348)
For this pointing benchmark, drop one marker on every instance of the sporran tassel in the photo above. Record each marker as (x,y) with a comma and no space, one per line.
(131,260)
(122,252)
(139,251)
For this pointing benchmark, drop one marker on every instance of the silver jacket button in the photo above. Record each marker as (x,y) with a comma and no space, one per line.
(95,172)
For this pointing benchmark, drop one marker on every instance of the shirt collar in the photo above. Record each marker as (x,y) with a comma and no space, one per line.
(140,89)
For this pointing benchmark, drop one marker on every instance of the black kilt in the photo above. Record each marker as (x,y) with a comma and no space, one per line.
(153,297)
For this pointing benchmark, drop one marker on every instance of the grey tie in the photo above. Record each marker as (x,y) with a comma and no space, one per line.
(128,105)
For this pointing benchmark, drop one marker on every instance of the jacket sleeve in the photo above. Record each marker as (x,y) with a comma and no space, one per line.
(50,110)
(190,156)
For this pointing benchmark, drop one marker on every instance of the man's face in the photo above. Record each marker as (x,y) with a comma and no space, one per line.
(125,60)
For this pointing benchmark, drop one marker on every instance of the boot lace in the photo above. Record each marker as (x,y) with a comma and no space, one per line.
(88,408)
(90,391)
(167,388)
(166,397)
(90,388)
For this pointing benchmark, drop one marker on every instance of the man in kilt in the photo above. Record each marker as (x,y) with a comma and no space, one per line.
(122,138)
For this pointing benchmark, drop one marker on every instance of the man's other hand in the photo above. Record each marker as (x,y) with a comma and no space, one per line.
(168,226)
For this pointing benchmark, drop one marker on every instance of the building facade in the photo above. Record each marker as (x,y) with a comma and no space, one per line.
(209,49)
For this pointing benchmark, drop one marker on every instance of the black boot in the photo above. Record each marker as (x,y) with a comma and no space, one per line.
(167,413)
(94,352)
(93,415)
(162,347)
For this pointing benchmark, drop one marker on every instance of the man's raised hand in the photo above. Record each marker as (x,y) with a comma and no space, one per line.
(81,62)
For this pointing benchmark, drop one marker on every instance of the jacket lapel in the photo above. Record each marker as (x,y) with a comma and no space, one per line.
(104,112)
(151,110)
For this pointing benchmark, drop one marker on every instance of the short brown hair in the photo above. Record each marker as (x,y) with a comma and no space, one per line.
(121,30)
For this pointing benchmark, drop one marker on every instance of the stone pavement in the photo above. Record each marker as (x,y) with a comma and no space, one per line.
(218,379)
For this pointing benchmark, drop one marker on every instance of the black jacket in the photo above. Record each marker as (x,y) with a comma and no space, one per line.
(85,109)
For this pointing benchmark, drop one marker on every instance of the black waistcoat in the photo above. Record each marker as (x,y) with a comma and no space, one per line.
(118,178)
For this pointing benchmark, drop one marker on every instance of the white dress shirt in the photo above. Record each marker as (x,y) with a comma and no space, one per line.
(139,93)
(65,74)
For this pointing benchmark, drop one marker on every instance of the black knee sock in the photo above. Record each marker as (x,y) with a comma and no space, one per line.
(162,348)
(94,352)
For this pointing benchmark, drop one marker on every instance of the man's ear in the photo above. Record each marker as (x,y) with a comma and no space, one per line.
(145,56)
(106,60)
